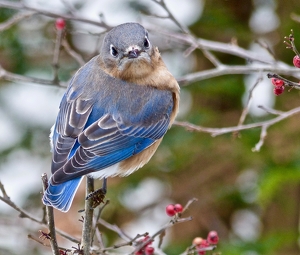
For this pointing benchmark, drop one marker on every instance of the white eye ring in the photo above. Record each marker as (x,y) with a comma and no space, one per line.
(113,51)
(146,42)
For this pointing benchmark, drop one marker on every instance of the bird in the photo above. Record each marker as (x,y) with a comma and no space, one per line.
(113,115)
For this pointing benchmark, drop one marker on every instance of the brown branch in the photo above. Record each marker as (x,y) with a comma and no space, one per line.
(50,220)
(229,70)
(170,224)
(14,20)
(5,198)
(77,57)
(269,110)
(5,75)
(114,228)
(58,42)
(23,214)
(220,131)
(86,237)
(246,108)
(22,6)
(95,229)
(42,243)
(170,16)
(263,135)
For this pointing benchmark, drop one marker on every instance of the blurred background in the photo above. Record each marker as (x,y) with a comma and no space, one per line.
(250,198)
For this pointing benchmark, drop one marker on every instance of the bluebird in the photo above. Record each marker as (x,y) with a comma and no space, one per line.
(113,116)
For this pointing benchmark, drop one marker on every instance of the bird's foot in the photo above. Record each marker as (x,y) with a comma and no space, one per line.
(97,197)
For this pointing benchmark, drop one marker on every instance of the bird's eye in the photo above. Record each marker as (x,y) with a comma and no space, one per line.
(146,43)
(113,51)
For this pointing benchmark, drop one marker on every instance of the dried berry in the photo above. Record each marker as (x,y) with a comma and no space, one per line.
(178,208)
(149,250)
(278,90)
(213,237)
(277,82)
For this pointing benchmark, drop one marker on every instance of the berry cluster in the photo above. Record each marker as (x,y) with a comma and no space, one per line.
(281,83)
(279,86)
(172,209)
(202,245)
(148,249)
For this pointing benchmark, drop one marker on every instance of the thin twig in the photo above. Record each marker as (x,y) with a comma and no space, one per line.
(170,15)
(269,110)
(77,57)
(220,131)
(188,204)
(50,220)
(14,20)
(5,75)
(128,243)
(170,224)
(95,229)
(5,196)
(211,58)
(263,135)
(23,214)
(42,243)
(58,42)
(230,70)
(114,228)
(22,6)
(248,103)
(88,219)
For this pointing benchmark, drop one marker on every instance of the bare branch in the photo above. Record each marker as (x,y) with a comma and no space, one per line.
(5,198)
(86,238)
(114,228)
(211,58)
(170,16)
(58,42)
(269,110)
(5,75)
(263,135)
(14,20)
(77,57)
(246,108)
(22,6)
(50,220)
(226,70)
(220,131)
(170,224)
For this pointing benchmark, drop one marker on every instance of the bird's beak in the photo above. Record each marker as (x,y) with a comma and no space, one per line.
(134,53)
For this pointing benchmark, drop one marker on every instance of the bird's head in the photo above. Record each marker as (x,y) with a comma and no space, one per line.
(127,52)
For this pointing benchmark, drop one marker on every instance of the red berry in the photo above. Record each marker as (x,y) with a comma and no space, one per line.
(170,210)
(140,252)
(296,61)
(60,24)
(204,243)
(213,237)
(277,82)
(149,250)
(278,90)
(178,208)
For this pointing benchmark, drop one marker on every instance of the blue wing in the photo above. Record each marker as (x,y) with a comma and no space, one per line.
(101,122)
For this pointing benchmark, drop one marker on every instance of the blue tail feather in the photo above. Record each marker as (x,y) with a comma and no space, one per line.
(61,196)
